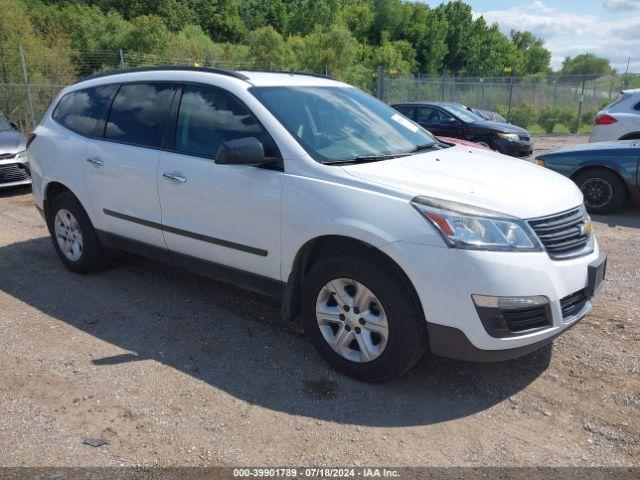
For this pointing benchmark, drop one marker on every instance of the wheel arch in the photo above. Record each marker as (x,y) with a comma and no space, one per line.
(630,136)
(313,249)
(52,190)
(628,190)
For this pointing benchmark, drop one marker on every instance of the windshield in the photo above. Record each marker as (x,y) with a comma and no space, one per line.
(4,125)
(339,124)
(463,113)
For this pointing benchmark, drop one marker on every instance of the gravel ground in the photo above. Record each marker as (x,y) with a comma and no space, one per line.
(173,369)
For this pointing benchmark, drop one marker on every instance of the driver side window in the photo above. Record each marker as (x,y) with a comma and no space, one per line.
(210,116)
(430,115)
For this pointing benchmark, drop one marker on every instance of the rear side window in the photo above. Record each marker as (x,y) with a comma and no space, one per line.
(81,110)
(210,116)
(138,114)
(637,107)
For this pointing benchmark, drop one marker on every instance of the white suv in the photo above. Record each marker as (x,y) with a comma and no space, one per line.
(620,120)
(384,240)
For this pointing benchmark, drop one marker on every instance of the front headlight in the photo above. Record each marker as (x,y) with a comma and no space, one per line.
(472,228)
(509,136)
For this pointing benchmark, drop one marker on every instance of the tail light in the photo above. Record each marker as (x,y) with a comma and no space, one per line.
(30,138)
(605,119)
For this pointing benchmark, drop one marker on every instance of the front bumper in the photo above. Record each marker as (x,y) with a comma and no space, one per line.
(445,280)
(516,148)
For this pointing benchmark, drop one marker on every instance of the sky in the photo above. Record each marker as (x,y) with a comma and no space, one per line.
(608,28)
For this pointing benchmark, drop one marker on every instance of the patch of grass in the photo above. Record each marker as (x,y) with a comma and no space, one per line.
(559,128)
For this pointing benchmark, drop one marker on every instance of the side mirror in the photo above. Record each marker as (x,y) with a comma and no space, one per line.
(14,125)
(242,151)
(450,121)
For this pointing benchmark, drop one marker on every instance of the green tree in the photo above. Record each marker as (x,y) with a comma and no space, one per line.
(586,64)
(268,47)
(148,34)
(358,16)
(533,57)
(398,56)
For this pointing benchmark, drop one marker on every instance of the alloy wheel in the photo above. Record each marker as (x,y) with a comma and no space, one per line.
(68,235)
(352,320)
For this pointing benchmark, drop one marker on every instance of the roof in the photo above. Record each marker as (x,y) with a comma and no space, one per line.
(632,91)
(279,78)
(437,104)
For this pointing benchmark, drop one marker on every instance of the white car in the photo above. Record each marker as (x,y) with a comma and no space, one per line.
(384,240)
(620,120)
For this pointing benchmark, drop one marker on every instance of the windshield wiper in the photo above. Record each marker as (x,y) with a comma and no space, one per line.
(368,158)
(426,146)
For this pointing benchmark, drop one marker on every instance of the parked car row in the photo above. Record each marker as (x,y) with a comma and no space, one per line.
(457,121)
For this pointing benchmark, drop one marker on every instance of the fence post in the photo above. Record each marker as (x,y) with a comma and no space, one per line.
(444,78)
(122,64)
(510,96)
(270,65)
(584,79)
(26,84)
(379,84)
(453,88)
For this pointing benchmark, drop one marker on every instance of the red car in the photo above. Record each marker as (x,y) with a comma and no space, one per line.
(467,143)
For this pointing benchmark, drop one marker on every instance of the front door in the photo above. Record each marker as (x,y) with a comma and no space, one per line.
(226,214)
(438,122)
(121,168)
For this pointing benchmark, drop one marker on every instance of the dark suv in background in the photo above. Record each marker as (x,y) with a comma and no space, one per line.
(457,121)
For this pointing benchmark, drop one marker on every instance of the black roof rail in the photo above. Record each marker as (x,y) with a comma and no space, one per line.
(293,72)
(219,71)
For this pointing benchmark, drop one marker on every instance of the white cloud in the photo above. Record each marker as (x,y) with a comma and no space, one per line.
(621,5)
(570,34)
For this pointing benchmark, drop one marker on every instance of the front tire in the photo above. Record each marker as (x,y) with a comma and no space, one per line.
(361,318)
(73,235)
(603,190)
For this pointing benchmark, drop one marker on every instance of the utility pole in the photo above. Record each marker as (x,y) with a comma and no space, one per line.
(584,79)
(26,84)
(510,93)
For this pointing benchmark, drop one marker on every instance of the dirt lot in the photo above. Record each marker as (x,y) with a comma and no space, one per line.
(174,369)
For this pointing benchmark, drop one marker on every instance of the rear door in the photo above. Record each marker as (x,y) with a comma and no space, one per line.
(121,167)
(225,214)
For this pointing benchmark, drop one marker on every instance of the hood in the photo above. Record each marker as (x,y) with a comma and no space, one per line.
(12,142)
(500,127)
(476,177)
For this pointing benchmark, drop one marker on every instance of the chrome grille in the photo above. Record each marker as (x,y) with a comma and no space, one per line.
(4,156)
(563,235)
(12,173)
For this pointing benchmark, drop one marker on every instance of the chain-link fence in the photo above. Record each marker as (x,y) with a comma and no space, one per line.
(28,85)
(29,81)
(582,94)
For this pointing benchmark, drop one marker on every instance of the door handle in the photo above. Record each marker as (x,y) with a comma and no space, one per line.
(175,177)
(95,161)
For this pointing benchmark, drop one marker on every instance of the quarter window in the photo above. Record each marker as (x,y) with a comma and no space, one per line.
(210,116)
(81,110)
(138,114)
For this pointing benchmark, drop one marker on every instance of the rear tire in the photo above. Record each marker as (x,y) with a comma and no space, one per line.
(603,190)
(369,352)
(73,235)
